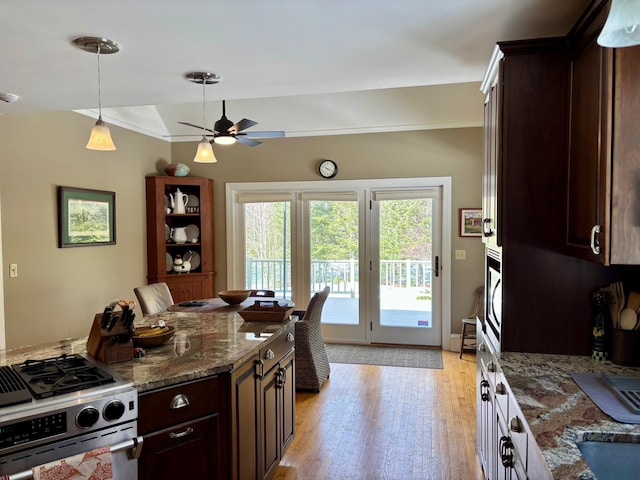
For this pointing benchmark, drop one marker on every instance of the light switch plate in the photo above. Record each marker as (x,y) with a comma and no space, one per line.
(461,254)
(13,270)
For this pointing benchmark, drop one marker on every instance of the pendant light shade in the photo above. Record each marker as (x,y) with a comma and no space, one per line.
(622,28)
(100,138)
(205,152)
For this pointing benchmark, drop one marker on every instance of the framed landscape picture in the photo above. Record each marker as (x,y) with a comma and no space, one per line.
(470,222)
(86,217)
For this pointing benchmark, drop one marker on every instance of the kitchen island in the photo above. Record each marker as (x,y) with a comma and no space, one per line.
(558,411)
(221,391)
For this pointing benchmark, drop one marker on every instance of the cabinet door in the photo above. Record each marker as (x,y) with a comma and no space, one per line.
(245,421)
(491,167)
(588,168)
(184,451)
(278,407)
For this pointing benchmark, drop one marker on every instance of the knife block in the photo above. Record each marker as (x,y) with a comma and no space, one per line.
(105,346)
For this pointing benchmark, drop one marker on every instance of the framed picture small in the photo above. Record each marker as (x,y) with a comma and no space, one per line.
(86,217)
(470,222)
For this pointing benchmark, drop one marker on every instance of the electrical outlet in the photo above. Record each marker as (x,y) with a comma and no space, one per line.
(13,270)
(461,254)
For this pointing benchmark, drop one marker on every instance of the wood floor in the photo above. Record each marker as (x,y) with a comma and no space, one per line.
(393,423)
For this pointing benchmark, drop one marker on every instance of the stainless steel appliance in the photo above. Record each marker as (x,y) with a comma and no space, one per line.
(59,407)
(493,299)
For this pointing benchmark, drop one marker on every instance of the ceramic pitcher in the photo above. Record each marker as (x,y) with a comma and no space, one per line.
(179,201)
(179,234)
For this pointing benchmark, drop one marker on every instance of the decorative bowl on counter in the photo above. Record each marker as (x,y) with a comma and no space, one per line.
(234,297)
(147,337)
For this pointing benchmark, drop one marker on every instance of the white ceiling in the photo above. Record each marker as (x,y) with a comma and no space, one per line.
(306,67)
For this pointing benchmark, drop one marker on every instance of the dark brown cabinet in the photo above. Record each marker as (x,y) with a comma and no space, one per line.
(604,150)
(182,432)
(263,409)
(197,224)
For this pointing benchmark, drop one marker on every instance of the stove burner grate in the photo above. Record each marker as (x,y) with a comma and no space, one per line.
(63,374)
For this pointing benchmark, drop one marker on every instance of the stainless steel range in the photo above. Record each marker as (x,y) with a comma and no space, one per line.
(59,407)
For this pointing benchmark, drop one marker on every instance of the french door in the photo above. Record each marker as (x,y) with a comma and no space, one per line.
(376,243)
(405,263)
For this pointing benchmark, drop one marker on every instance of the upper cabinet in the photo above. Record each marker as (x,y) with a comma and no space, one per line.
(491,87)
(603,162)
(180,223)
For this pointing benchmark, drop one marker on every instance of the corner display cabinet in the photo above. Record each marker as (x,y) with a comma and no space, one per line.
(188,234)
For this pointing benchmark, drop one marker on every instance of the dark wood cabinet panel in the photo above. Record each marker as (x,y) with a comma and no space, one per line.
(182,429)
(263,409)
(184,451)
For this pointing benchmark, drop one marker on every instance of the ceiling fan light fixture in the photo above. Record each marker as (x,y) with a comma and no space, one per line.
(225,139)
(622,28)
(205,152)
(100,137)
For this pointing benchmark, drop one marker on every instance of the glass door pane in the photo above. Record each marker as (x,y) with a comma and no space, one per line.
(334,261)
(267,249)
(404,260)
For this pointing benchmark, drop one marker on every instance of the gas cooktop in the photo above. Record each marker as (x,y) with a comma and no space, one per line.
(39,379)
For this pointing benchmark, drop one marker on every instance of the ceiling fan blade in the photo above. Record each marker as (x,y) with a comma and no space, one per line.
(191,135)
(242,125)
(265,134)
(250,142)
(196,126)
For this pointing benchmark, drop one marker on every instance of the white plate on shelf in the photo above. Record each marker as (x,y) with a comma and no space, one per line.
(169,262)
(193,258)
(193,232)
(192,201)
(167,233)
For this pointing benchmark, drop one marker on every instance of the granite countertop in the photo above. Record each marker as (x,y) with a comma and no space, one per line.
(558,412)
(218,343)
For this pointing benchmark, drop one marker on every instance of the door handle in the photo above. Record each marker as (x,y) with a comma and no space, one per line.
(437,266)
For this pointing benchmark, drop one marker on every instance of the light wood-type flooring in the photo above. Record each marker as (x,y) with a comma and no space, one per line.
(391,423)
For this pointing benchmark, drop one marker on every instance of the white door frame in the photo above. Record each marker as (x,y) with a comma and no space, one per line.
(235,269)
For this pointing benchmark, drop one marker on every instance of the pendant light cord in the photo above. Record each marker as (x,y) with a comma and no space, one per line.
(204,115)
(99,92)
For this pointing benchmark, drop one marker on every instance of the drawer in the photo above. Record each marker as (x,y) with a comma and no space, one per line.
(177,404)
(272,353)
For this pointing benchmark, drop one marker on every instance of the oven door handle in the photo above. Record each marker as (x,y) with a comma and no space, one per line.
(135,443)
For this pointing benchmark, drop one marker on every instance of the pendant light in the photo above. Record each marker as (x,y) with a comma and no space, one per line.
(622,28)
(100,138)
(205,151)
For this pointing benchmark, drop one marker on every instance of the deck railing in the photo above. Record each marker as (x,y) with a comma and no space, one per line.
(340,275)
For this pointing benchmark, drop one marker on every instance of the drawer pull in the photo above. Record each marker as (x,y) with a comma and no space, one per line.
(484,396)
(515,425)
(491,367)
(506,452)
(269,355)
(290,337)
(482,347)
(501,389)
(184,433)
(179,401)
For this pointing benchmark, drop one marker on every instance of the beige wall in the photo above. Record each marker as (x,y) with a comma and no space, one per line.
(58,290)
(453,152)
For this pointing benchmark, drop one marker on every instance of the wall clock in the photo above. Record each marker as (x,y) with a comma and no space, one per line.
(328,169)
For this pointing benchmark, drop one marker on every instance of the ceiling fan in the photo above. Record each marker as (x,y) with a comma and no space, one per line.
(225,132)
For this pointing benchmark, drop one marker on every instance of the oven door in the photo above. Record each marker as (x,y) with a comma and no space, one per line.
(122,439)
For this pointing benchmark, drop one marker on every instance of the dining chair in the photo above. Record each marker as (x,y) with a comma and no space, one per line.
(154,298)
(312,364)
